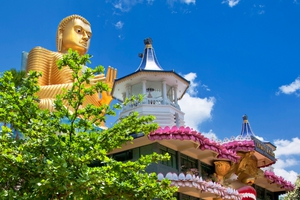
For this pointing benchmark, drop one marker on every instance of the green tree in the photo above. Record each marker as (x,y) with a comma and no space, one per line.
(295,194)
(17,76)
(54,160)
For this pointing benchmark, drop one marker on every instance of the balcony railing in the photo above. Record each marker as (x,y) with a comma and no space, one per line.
(151,101)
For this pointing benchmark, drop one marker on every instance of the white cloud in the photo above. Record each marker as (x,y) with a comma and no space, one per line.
(260,138)
(287,147)
(126,5)
(119,25)
(205,87)
(210,134)
(171,2)
(188,1)
(121,37)
(119,6)
(287,175)
(280,163)
(231,3)
(291,88)
(259,8)
(196,109)
(193,85)
(279,168)
(285,151)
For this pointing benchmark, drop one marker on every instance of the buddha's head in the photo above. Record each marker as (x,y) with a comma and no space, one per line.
(73,32)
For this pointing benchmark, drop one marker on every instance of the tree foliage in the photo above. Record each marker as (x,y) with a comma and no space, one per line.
(17,76)
(54,160)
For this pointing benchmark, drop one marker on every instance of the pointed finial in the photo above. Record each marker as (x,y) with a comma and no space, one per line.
(149,60)
(148,42)
(245,118)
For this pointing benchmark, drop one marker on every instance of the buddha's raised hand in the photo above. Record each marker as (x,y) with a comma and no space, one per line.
(111,75)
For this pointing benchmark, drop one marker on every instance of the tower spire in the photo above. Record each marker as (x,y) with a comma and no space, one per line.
(246,128)
(149,60)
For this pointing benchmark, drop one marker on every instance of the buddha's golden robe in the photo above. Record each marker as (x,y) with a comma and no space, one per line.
(54,80)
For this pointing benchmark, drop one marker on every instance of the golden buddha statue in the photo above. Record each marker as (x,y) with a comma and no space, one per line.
(73,32)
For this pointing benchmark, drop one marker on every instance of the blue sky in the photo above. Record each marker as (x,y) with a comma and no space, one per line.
(242,56)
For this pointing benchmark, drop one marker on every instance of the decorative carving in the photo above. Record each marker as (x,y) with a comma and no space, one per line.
(192,181)
(246,169)
(73,32)
(186,133)
(247,192)
(221,168)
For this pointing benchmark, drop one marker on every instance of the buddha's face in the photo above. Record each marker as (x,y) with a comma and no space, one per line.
(76,35)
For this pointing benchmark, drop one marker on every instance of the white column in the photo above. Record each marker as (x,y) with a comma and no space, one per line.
(175,94)
(144,91)
(172,94)
(124,96)
(164,82)
(144,86)
(127,91)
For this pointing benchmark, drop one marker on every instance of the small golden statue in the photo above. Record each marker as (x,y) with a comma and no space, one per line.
(73,32)
(222,167)
(246,169)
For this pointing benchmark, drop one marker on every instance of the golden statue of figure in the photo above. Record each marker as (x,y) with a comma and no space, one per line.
(246,169)
(73,32)
(222,167)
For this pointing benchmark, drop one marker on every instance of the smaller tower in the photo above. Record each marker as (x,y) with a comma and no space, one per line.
(161,90)
(263,150)
(246,128)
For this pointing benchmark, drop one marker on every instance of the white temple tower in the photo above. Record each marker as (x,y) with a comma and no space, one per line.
(162,90)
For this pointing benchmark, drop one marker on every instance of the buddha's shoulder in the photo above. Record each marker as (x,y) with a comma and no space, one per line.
(40,51)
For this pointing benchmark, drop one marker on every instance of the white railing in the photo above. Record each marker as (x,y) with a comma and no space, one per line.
(151,101)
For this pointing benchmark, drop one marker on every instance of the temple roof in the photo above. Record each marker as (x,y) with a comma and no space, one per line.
(246,128)
(264,151)
(149,60)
